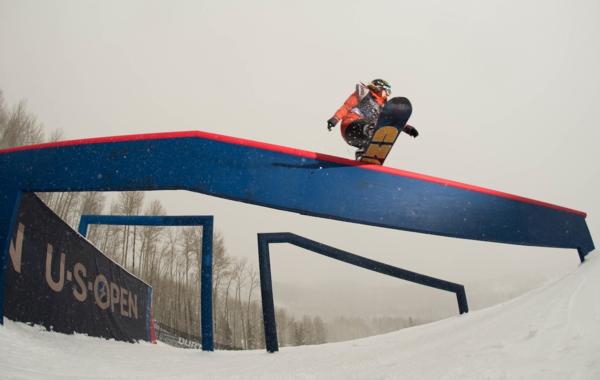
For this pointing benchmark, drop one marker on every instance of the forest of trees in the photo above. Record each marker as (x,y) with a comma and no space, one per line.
(168,259)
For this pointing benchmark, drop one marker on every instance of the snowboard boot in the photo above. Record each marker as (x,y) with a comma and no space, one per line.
(359,153)
(361,150)
(368,130)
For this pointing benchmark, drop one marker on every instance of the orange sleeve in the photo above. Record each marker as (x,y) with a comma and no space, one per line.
(350,103)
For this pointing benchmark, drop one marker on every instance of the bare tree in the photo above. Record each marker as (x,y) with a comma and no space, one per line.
(252,283)
(3,114)
(149,264)
(221,264)
(192,242)
(320,332)
(239,273)
(20,128)
(56,135)
(129,203)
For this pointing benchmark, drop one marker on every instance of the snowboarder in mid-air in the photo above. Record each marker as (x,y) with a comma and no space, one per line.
(360,115)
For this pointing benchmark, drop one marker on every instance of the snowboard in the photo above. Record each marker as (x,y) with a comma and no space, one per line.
(392,119)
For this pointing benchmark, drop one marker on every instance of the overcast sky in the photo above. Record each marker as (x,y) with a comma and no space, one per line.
(505,95)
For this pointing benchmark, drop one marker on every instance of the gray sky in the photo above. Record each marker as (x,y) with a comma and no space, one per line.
(505,95)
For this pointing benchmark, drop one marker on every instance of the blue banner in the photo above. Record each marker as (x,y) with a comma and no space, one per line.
(57,279)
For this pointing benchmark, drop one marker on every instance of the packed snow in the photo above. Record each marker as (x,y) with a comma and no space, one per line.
(548,333)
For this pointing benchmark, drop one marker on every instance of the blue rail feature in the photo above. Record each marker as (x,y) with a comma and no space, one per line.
(266,285)
(206,315)
(286,179)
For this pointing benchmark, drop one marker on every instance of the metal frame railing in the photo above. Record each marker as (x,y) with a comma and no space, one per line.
(266,285)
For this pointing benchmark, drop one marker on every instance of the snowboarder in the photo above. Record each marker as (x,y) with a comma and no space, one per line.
(360,112)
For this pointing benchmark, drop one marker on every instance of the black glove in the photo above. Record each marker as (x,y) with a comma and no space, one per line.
(412,131)
(331,123)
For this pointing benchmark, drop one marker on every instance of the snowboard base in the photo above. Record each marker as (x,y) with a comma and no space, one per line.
(380,146)
(392,119)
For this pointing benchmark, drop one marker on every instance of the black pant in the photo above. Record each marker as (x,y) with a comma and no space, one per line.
(356,133)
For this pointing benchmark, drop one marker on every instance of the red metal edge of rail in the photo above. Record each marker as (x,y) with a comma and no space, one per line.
(291,151)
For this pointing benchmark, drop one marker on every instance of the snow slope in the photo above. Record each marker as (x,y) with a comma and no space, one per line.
(549,333)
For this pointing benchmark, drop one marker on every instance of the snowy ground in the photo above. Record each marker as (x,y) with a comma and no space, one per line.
(549,333)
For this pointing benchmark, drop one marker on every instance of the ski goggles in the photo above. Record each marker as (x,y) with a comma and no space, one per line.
(382,85)
(386,88)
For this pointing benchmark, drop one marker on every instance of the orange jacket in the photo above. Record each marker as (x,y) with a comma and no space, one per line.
(348,112)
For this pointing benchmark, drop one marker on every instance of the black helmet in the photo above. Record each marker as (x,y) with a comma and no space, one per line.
(381,85)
